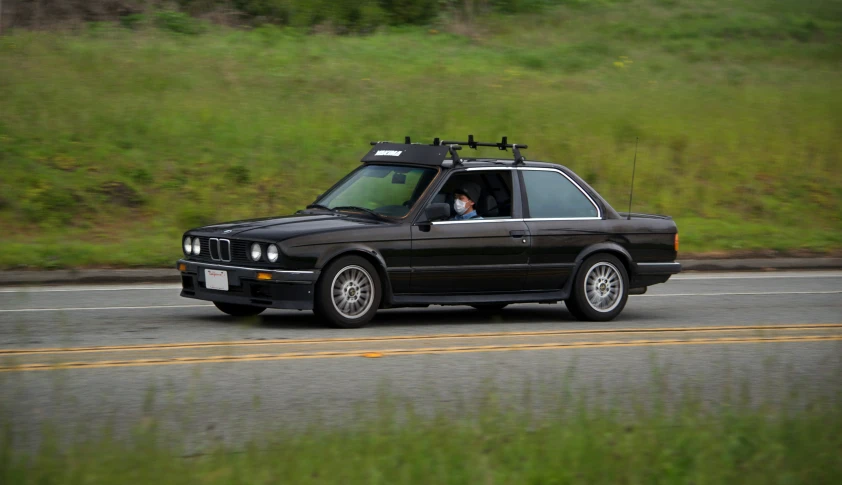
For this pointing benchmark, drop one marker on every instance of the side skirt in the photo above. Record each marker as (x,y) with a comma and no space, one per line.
(469,299)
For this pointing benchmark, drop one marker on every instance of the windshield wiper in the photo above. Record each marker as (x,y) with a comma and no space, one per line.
(357,208)
(319,206)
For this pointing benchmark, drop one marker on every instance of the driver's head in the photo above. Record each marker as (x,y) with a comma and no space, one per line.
(465,197)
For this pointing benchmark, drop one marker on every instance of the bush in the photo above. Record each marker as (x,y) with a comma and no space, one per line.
(178,22)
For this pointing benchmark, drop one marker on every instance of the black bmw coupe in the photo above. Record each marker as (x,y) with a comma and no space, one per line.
(418,225)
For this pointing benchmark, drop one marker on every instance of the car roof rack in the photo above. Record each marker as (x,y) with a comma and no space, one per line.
(435,153)
(501,145)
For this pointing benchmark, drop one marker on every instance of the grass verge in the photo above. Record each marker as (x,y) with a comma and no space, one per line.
(113,141)
(736,445)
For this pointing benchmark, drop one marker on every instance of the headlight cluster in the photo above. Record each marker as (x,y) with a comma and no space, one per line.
(191,246)
(272,252)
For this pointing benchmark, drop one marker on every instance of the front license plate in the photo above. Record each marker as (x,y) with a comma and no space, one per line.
(216,279)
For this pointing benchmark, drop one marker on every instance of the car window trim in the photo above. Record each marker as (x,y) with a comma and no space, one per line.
(542,169)
(517,196)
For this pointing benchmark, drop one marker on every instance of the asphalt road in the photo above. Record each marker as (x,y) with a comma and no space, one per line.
(78,359)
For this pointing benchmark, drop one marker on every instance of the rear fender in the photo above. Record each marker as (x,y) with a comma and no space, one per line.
(605,247)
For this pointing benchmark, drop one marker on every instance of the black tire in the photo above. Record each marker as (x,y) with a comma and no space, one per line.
(609,284)
(236,310)
(490,307)
(358,294)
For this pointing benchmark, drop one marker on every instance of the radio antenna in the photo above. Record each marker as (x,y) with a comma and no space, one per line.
(634,166)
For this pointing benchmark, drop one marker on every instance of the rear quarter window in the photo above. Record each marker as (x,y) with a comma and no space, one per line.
(551,195)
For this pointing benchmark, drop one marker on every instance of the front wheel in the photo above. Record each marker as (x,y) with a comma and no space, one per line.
(239,310)
(348,293)
(600,290)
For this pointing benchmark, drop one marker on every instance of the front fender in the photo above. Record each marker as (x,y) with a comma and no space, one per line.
(332,252)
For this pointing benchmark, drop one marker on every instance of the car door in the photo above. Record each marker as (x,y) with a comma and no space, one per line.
(562,220)
(473,256)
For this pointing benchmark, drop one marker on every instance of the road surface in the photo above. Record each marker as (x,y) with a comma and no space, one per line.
(79,358)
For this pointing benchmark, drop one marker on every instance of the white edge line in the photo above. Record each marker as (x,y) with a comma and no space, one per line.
(20,289)
(209,305)
(693,277)
(758,293)
(679,277)
(100,308)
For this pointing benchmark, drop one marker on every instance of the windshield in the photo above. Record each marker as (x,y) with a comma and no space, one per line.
(389,190)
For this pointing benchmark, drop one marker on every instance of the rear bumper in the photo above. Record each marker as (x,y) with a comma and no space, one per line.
(657,268)
(647,274)
(286,289)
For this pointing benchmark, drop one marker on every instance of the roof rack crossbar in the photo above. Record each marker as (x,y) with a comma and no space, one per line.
(503,145)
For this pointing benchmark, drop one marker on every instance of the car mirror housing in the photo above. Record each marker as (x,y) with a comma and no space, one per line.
(437,212)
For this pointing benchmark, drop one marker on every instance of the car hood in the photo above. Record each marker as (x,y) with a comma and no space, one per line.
(280,228)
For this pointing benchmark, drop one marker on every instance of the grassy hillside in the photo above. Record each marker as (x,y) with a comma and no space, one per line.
(113,141)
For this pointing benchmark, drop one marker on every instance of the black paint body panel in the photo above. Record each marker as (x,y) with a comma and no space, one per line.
(518,259)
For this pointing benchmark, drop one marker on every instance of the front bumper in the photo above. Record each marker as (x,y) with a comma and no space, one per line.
(286,289)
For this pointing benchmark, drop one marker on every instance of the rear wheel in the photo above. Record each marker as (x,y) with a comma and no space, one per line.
(600,290)
(348,293)
(239,310)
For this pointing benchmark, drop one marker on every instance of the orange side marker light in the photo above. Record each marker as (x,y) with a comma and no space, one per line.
(264,276)
(182,267)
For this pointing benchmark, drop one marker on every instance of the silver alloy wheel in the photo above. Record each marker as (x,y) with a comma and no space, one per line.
(603,287)
(353,291)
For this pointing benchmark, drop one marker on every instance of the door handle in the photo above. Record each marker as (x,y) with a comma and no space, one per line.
(517,233)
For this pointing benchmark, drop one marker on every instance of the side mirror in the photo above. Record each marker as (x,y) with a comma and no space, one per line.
(437,212)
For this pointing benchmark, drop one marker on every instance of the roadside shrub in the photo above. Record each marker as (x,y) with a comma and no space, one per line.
(178,22)
(413,12)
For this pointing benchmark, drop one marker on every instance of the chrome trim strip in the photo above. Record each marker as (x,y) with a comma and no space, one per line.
(283,271)
(219,241)
(476,169)
(668,263)
(530,219)
(475,221)
(564,218)
(214,241)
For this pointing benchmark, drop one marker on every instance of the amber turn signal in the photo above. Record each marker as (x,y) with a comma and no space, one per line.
(676,242)
(182,267)
(264,276)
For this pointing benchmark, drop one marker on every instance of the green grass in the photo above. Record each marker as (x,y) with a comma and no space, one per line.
(114,141)
(731,445)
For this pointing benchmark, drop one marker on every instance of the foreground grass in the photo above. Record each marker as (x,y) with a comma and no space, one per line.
(112,142)
(595,446)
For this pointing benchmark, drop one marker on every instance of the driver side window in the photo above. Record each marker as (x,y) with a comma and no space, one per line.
(494,200)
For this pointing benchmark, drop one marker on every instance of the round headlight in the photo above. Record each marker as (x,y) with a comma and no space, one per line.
(255,252)
(188,243)
(272,253)
(197,248)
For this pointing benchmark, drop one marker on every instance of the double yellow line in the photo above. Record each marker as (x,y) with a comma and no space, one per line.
(447,349)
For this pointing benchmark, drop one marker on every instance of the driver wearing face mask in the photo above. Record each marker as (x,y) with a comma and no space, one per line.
(464,199)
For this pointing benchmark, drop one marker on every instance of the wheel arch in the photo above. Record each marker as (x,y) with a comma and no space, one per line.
(369,254)
(611,248)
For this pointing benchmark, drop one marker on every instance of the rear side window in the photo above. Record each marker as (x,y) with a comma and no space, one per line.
(551,195)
